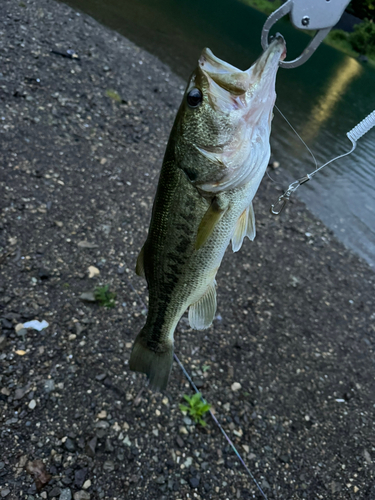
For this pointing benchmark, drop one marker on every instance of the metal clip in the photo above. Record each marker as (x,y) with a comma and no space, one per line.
(282,200)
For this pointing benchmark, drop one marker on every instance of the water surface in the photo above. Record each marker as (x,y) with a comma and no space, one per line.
(323,99)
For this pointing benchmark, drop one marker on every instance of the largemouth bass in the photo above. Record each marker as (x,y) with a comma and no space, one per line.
(216,156)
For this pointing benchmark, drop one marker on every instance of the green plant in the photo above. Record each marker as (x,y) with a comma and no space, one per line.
(363,37)
(197,408)
(104,297)
(112,94)
(338,35)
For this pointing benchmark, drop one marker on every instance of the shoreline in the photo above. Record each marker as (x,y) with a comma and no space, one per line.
(82,145)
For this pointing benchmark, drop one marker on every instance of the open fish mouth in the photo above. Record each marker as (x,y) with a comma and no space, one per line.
(236,81)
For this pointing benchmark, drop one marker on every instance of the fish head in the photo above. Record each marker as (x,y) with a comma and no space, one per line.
(221,132)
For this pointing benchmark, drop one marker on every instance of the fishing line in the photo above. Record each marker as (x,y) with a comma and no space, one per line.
(273,180)
(299,137)
(220,427)
(353,135)
(189,379)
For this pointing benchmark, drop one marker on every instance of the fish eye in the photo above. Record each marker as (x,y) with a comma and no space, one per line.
(194,98)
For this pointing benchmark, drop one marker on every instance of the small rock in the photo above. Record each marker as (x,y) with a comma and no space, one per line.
(6,324)
(65,494)
(236,386)
(81,495)
(87,297)
(93,271)
(57,459)
(86,484)
(102,424)
(55,492)
(183,430)
(194,482)
(108,466)
(127,441)
(90,446)
(180,442)
(108,445)
(79,477)
(3,342)
(102,414)
(69,445)
(18,327)
(19,394)
(87,244)
(79,328)
(5,492)
(49,385)
(187,421)
(32,404)
(160,480)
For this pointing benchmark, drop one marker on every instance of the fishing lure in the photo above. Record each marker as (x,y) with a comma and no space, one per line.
(353,135)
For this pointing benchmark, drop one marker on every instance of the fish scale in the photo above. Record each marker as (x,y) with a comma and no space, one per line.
(215,159)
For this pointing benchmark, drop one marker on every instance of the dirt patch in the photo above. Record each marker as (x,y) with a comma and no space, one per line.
(82,141)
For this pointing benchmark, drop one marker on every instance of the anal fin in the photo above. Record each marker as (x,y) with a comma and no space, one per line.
(245,227)
(140,268)
(202,312)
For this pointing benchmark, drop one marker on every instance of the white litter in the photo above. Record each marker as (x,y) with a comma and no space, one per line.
(36,325)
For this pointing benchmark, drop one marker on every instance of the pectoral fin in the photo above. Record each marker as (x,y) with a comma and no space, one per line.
(140,268)
(245,227)
(202,313)
(208,223)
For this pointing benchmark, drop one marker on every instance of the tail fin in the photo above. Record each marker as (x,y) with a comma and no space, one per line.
(156,364)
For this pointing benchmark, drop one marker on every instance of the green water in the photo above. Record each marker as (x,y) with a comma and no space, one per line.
(323,99)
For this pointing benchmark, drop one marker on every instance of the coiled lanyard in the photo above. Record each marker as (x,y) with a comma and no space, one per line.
(353,135)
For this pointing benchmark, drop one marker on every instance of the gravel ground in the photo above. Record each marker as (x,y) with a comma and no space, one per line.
(82,141)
